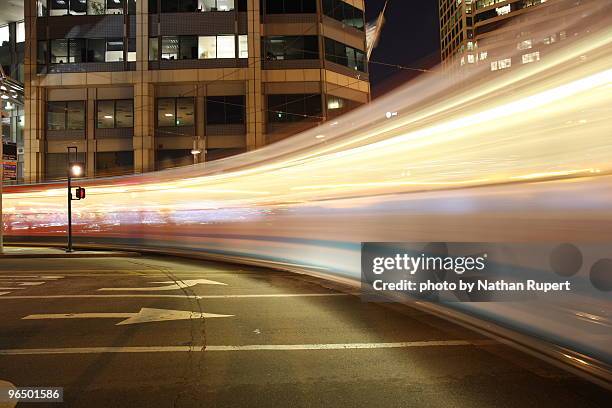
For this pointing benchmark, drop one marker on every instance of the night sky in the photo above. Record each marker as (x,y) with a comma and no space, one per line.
(410,37)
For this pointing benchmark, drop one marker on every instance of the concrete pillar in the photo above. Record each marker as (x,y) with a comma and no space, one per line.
(34,101)
(91,131)
(254,97)
(144,96)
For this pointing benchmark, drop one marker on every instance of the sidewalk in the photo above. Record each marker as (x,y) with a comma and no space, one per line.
(49,252)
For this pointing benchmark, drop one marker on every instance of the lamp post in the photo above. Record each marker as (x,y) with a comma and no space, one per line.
(75,169)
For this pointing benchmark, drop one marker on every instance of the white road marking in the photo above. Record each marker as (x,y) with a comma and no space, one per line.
(274,295)
(172,285)
(4,293)
(11,288)
(30,277)
(30,283)
(251,347)
(145,315)
(6,386)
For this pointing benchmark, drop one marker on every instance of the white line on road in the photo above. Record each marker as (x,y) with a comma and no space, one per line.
(11,288)
(250,347)
(4,293)
(274,295)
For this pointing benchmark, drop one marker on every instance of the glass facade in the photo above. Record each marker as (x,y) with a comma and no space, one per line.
(66,115)
(290,6)
(290,47)
(202,47)
(115,114)
(294,107)
(344,12)
(225,110)
(78,50)
(175,112)
(344,55)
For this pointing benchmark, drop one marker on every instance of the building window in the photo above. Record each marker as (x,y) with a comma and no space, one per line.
(220,46)
(81,7)
(294,107)
(290,6)
(66,115)
(42,56)
(114,50)
(290,47)
(344,12)
(76,50)
(173,112)
(225,110)
(114,163)
(169,47)
(189,6)
(531,57)
(20,32)
(524,45)
(501,64)
(344,55)
(131,55)
(56,164)
(153,49)
(115,114)
(243,46)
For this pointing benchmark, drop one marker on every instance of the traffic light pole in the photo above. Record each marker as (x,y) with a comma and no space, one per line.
(69,249)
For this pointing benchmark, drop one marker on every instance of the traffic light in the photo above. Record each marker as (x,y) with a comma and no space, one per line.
(80,193)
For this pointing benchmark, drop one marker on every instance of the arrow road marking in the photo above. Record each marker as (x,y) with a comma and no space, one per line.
(173,285)
(145,315)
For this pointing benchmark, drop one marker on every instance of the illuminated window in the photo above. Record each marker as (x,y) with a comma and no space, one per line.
(470,58)
(524,45)
(169,47)
(243,46)
(207,47)
(501,64)
(550,39)
(226,46)
(503,10)
(4,35)
(531,57)
(20,32)
(221,46)
(483,55)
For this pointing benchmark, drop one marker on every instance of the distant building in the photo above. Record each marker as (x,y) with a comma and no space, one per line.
(145,85)
(12,44)
(503,34)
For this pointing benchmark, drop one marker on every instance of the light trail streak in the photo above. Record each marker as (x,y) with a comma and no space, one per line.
(523,156)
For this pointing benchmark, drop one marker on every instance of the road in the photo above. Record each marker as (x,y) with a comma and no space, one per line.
(271,339)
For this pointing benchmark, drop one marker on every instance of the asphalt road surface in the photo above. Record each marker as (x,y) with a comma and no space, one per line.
(168,332)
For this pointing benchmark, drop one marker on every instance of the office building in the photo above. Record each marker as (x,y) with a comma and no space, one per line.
(139,86)
(506,34)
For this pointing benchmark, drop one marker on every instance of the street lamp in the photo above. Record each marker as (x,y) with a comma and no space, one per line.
(75,169)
